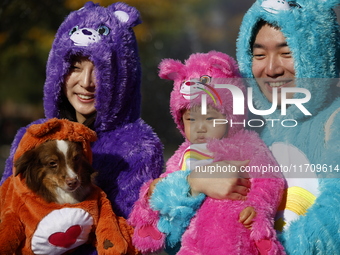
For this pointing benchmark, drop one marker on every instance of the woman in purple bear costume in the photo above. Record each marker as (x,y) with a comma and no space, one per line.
(93,77)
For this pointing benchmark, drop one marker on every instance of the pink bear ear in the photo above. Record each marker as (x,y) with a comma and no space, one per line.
(225,64)
(171,69)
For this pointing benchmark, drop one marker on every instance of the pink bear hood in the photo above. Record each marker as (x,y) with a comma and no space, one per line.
(199,76)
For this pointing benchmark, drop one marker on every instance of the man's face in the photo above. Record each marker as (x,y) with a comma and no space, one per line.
(273,65)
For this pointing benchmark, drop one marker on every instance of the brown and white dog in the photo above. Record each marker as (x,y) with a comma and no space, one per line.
(50,204)
(58,171)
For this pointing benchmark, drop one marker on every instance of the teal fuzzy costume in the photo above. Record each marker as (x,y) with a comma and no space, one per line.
(312,34)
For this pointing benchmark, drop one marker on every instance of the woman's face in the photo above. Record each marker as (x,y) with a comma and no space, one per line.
(80,86)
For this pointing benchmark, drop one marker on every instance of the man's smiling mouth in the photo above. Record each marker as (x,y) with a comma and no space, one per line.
(277,84)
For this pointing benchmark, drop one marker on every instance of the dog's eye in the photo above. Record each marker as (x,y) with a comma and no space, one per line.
(52,164)
(76,158)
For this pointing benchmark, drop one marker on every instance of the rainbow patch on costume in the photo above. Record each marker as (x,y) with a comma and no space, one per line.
(211,95)
(191,156)
(296,201)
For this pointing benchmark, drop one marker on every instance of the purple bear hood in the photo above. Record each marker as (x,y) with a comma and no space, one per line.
(105,36)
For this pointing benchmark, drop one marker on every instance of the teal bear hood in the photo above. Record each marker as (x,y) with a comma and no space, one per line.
(313,36)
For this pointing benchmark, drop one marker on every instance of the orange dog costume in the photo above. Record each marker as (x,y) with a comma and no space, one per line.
(30,225)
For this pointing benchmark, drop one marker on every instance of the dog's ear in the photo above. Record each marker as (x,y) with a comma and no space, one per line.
(23,163)
(88,170)
(87,166)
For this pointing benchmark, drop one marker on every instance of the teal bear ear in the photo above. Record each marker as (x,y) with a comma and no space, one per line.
(327,4)
(331,3)
(271,5)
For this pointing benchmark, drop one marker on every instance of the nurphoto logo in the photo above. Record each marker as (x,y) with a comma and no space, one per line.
(239,101)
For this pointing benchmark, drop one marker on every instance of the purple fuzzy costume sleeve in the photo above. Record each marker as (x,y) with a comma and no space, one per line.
(125,159)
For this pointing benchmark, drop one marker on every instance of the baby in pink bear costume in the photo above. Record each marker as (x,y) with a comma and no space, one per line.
(217,226)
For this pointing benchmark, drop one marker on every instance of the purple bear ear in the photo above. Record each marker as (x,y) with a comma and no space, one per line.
(125,14)
(89,4)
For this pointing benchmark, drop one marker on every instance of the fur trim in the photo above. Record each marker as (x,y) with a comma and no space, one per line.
(56,129)
(172,199)
(147,238)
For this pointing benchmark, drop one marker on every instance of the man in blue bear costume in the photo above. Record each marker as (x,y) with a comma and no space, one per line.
(310,49)
(127,152)
(310,39)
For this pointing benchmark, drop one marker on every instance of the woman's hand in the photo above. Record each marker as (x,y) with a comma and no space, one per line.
(232,185)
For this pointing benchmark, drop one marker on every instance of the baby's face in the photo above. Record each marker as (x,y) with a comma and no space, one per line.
(199,128)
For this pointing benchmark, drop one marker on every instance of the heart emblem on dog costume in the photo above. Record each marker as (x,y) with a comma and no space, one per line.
(62,230)
(65,239)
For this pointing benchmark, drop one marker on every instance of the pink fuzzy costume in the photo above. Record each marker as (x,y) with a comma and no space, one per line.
(214,227)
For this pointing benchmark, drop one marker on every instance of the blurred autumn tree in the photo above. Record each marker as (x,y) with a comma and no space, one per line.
(26,32)
(170,29)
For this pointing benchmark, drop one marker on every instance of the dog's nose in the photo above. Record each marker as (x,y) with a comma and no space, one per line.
(72,182)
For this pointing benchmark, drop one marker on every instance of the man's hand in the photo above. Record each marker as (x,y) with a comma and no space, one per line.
(227,185)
